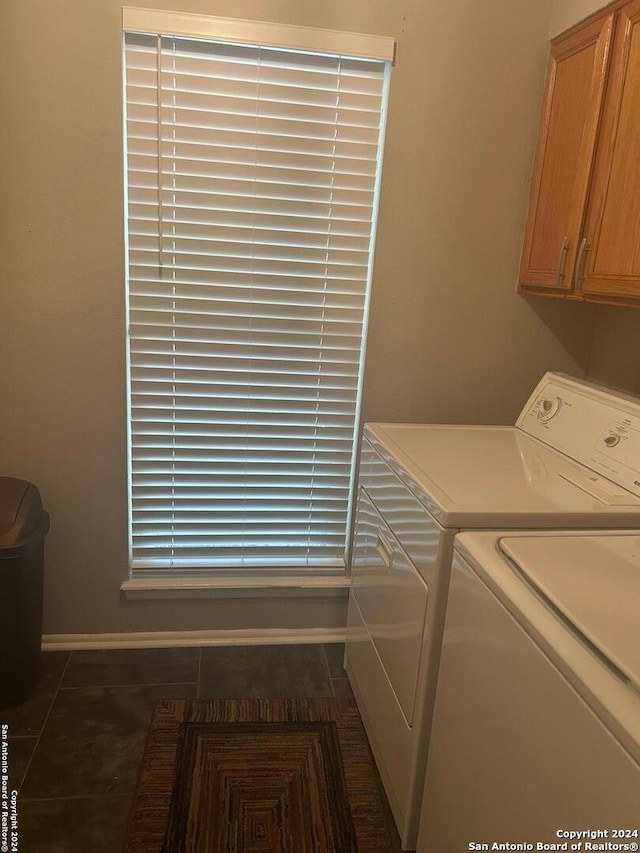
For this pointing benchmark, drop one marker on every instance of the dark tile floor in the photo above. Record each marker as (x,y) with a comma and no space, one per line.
(76,745)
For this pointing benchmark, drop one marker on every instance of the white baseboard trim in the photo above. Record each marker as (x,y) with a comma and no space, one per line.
(169,639)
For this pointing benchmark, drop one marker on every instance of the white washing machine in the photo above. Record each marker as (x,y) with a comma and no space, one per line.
(572,461)
(536,729)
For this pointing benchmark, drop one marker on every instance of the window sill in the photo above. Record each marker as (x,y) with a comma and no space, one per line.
(273,587)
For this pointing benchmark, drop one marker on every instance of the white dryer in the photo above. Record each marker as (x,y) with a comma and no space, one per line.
(536,729)
(572,461)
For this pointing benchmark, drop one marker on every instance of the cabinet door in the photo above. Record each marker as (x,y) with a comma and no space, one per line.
(610,261)
(572,107)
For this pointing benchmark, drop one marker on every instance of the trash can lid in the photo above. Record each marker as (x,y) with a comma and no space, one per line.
(20,510)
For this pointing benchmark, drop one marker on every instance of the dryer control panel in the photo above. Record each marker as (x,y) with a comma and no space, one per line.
(596,426)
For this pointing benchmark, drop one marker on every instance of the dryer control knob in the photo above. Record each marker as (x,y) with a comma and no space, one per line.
(549,409)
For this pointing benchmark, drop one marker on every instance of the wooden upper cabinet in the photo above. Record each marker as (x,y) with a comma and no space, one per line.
(611,256)
(572,108)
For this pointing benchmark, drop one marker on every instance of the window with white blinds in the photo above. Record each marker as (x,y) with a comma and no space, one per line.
(252,183)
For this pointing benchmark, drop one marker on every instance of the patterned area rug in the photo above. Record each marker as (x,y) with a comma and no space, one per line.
(257,776)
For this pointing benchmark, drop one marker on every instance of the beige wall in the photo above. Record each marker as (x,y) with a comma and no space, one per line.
(450,340)
(615,357)
(615,354)
(566,13)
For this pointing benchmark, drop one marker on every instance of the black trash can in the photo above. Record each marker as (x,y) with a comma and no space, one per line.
(23,525)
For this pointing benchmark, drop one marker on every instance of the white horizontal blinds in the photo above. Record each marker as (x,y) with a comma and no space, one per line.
(251,184)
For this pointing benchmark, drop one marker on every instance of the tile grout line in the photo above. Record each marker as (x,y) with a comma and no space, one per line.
(328,669)
(44,722)
(130,684)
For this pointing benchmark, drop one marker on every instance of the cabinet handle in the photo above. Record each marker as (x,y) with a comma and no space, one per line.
(562,260)
(579,275)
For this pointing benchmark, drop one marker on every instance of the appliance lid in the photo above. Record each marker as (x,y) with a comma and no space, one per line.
(500,475)
(593,582)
